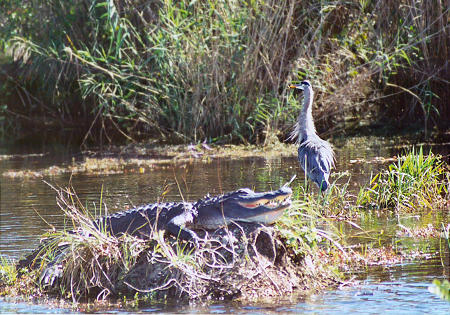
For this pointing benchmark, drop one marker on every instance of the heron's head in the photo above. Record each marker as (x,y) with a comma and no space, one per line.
(303,86)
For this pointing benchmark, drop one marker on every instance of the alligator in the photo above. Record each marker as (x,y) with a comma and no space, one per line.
(181,218)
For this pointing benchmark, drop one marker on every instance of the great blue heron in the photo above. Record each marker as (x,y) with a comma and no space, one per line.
(315,155)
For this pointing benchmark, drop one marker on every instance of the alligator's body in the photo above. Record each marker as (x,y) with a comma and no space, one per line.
(243,205)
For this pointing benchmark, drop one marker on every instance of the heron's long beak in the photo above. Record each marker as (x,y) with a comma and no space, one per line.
(296,86)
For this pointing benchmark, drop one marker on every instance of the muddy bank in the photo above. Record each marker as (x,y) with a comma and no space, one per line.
(142,159)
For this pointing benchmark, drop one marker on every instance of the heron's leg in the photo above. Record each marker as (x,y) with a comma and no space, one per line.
(306,181)
(307,187)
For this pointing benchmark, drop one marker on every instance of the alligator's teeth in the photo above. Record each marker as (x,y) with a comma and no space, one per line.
(274,203)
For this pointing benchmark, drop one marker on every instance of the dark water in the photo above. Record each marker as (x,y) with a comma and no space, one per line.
(28,208)
(399,289)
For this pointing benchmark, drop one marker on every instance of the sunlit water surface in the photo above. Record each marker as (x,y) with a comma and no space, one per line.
(28,209)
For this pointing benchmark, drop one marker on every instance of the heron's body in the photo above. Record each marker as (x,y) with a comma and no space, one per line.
(315,155)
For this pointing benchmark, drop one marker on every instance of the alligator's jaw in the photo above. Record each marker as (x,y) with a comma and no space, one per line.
(267,216)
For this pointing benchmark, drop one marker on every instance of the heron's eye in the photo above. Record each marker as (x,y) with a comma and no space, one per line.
(244,191)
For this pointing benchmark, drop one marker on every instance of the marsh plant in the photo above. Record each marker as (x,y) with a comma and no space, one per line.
(415,181)
(8,272)
(441,289)
(309,226)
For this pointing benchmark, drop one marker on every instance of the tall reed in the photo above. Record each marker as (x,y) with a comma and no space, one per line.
(190,70)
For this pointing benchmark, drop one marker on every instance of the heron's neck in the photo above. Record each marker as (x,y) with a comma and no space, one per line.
(305,119)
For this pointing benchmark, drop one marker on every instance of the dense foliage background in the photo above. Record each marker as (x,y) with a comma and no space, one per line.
(180,71)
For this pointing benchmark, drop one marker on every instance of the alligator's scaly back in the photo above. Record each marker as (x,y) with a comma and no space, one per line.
(143,220)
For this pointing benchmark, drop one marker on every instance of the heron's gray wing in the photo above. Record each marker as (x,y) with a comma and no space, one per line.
(317,156)
(325,156)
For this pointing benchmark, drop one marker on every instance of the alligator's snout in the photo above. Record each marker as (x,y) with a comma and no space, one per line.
(280,200)
(264,207)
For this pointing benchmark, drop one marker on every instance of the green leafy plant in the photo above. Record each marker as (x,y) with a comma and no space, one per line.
(414,181)
(441,289)
(8,272)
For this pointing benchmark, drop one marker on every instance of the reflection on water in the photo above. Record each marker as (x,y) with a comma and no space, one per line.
(389,288)
(400,289)
(13,307)
(28,209)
